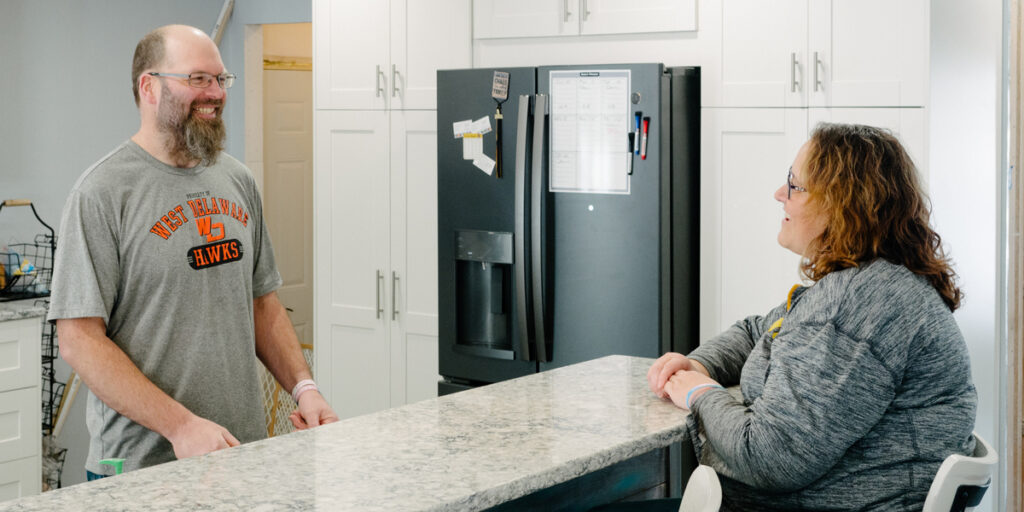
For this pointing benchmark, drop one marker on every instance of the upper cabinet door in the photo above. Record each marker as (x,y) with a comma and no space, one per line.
(871,53)
(764,59)
(630,16)
(425,37)
(525,18)
(350,54)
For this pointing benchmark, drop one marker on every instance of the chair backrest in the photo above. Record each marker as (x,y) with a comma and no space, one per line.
(961,481)
(703,492)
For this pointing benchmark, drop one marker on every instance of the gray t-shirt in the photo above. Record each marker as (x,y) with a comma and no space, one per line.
(171,259)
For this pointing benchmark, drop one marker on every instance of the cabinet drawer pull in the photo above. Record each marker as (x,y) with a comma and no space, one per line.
(817,82)
(586,10)
(379,88)
(565,9)
(394,81)
(792,72)
(394,297)
(377,285)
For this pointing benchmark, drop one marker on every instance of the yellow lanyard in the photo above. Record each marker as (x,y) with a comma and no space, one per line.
(777,326)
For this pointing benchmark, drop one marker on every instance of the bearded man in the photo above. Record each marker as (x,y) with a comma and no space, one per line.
(164,282)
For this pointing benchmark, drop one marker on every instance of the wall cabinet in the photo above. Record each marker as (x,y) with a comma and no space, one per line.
(541,18)
(838,53)
(20,435)
(385,54)
(746,153)
(375,182)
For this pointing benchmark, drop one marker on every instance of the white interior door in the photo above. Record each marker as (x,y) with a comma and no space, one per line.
(874,52)
(288,188)
(744,271)
(525,18)
(764,56)
(414,255)
(630,16)
(350,54)
(351,259)
(425,37)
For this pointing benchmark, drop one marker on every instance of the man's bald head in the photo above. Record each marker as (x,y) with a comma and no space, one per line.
(157,47)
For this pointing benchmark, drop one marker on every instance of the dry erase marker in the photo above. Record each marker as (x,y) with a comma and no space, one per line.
(643,139)
(636,134)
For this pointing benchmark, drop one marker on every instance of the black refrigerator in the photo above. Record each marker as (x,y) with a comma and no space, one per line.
(568,221)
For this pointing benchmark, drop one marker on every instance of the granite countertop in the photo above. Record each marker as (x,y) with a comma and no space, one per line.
(16,310)
(466,451)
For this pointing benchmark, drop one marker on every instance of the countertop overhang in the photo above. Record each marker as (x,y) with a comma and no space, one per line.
(466,451)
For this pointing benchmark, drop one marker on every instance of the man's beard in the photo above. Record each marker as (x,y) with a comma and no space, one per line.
(190,138)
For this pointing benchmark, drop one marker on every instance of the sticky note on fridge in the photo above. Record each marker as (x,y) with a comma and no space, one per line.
(462,127)
(482,125)
(484,163)
(472,146)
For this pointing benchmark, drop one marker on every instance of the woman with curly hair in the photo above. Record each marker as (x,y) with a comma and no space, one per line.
(857,386)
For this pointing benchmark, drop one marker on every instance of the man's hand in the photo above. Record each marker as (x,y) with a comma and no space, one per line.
(680,384)
(199,436)
(666,366)
(313,411)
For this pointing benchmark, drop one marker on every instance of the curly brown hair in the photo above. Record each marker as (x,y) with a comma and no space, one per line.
(866,185)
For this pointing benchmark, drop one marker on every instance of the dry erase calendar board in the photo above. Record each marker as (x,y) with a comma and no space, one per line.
(589,131)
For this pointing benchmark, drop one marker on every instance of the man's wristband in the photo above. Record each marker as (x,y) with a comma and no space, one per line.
(301,387)
(695,388)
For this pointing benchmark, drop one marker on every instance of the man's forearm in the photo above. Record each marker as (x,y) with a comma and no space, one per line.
(115,380)
(277,346)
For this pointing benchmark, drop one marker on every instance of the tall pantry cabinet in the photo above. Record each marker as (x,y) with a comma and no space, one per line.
(778,69)
(375,197)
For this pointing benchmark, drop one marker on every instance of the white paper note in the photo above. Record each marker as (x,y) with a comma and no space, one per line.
(482,125)
(484,163)
(462,127)
(472,146)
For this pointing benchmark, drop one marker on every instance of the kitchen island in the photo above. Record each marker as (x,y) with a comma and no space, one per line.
(467,451)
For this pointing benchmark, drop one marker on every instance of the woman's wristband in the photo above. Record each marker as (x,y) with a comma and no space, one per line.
(301,387)
(695,388)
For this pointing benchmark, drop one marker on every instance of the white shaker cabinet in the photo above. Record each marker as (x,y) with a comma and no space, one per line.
(20,437)
(385,54)
(745,156)
(544,18)
(825,53)
(376,258)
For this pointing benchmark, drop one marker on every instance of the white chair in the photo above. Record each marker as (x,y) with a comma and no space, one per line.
(961,481)
(703,492)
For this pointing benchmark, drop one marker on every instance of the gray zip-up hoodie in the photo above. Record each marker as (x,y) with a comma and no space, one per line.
(850,402)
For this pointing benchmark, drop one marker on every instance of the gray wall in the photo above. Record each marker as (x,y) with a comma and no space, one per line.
(65,80)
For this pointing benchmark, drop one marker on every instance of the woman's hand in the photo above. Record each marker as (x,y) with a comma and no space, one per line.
(682,382)
(666,366)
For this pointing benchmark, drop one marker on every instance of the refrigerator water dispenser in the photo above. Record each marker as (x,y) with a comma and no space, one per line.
(484,292)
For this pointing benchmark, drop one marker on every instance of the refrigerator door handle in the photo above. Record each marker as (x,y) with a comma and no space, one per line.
(519,235)
(536,231)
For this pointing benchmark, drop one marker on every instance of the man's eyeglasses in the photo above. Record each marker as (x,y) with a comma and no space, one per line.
(790,187)
(202,80)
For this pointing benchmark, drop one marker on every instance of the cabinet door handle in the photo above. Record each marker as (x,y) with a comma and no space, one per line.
(394,298)
(379,88)
(565,9)
(586,10)
(377,284)
(792,72)
(394,81)
(816,81)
